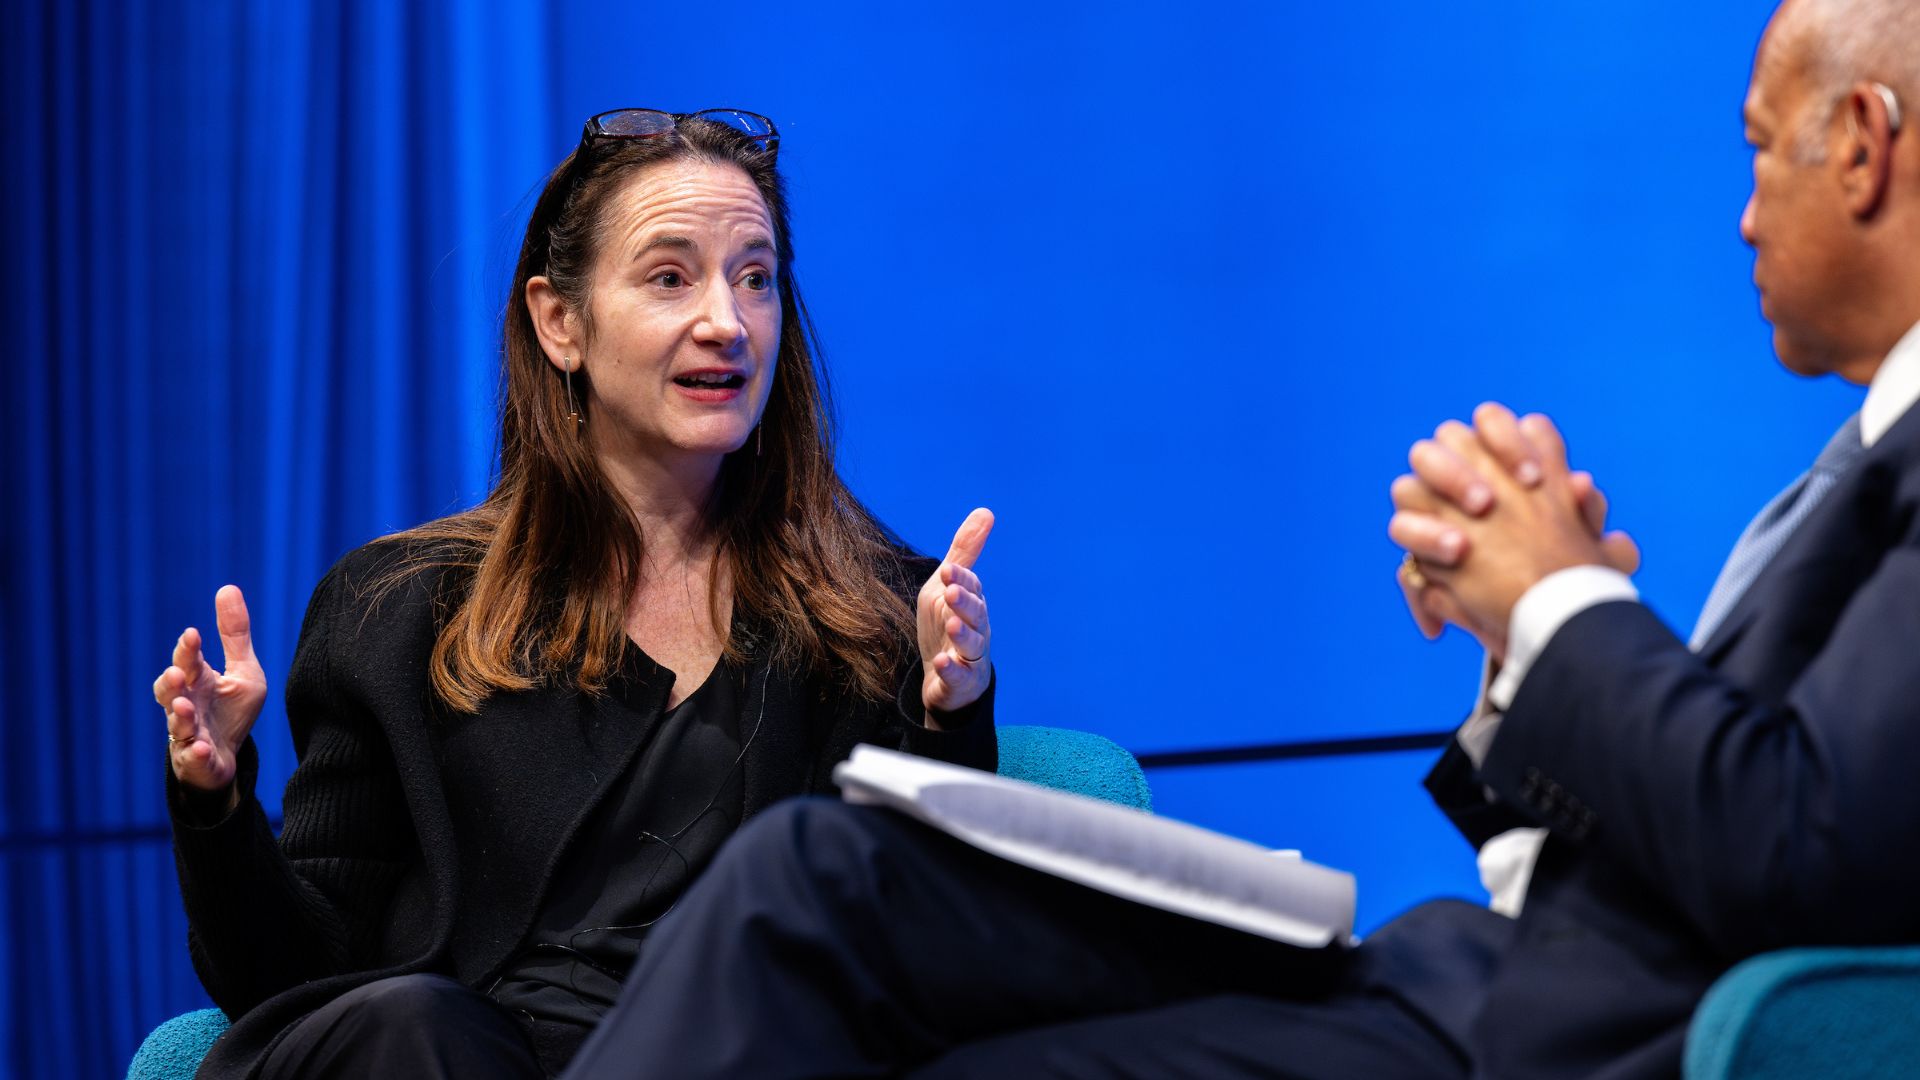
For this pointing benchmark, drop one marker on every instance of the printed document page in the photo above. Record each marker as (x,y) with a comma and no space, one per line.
(1152,860)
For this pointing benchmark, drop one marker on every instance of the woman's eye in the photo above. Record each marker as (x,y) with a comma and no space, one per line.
(755,281)
(669,279)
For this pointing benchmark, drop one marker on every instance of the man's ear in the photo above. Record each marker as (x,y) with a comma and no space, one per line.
(554,323)
(1867,149)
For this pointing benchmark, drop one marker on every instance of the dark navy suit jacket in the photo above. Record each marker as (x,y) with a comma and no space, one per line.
(1704,808)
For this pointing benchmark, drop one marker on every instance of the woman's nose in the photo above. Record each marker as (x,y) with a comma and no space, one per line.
(719,322)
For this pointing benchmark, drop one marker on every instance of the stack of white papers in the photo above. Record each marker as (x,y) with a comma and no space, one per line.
(1129,853)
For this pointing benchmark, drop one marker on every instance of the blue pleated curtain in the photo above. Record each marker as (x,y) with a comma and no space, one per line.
(255,258)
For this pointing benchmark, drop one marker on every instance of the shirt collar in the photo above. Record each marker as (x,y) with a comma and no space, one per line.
(1895,387)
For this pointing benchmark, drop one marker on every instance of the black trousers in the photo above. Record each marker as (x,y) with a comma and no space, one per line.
(422,1026)
(831,940)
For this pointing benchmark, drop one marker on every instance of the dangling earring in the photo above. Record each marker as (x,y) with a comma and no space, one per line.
(573,410)
(759,439)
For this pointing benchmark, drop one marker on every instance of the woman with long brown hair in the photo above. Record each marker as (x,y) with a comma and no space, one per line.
(523,729)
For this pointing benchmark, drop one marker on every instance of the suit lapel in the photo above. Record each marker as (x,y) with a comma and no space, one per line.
(1829,532)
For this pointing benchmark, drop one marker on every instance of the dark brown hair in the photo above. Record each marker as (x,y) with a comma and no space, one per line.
(554,552)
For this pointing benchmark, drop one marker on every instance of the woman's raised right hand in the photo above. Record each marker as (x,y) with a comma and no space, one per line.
(209,713)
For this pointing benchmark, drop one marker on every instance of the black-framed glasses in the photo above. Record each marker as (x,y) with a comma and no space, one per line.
(646,123)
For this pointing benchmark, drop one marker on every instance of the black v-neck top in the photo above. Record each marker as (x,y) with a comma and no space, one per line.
(658,827)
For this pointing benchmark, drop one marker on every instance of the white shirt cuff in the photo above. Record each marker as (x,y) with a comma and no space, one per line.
(1506,866)
(1540,613)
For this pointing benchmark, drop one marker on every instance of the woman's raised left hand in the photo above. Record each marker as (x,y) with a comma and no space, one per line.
(954,633)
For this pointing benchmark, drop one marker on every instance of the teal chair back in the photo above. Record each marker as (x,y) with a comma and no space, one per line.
(1075,761)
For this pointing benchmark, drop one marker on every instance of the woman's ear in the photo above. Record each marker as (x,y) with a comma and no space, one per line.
(557,327)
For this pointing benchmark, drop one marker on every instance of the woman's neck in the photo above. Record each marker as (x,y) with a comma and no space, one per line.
(681,607)
(669,497)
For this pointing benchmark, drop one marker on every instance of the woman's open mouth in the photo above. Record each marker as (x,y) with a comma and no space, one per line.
(712,380)
(715,387)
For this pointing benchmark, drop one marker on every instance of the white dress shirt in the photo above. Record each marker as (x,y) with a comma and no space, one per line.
(1506,861)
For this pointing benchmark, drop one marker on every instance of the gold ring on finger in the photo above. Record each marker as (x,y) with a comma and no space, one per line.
(1416,577)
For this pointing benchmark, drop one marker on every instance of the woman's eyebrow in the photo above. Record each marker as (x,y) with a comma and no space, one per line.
(686,243)
(668,240)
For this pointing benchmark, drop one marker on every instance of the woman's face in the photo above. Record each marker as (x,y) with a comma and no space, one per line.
(685,313)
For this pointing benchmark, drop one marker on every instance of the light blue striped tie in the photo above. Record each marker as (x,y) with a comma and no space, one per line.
(1769,530)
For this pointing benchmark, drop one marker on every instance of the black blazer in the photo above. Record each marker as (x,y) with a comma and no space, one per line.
(1704,808)
(417,839)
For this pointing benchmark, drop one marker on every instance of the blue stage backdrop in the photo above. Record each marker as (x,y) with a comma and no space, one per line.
(1171,289)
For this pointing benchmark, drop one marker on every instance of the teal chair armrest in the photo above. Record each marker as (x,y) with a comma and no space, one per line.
(1835,1013)
(173,1050)
(1076,761)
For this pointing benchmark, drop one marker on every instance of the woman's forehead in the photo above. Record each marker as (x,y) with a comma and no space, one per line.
(699,199)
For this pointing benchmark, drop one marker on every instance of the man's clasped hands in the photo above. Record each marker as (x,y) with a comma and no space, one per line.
(1489,511)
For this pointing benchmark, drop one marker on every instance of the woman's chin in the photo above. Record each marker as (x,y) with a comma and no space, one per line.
(710,437)
(714,443)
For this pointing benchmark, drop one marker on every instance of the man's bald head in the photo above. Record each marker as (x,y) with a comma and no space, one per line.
(1834,44)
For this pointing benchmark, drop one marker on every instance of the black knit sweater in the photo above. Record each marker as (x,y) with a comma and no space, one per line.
(419,839)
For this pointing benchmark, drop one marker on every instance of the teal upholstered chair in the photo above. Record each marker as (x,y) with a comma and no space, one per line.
(1069,760)
(1075,761)
(173,1050)
(1833,1013)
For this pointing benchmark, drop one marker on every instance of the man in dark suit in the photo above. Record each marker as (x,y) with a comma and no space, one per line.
(1650,812)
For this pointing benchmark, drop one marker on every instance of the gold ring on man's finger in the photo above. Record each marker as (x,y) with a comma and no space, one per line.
(1416,577)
